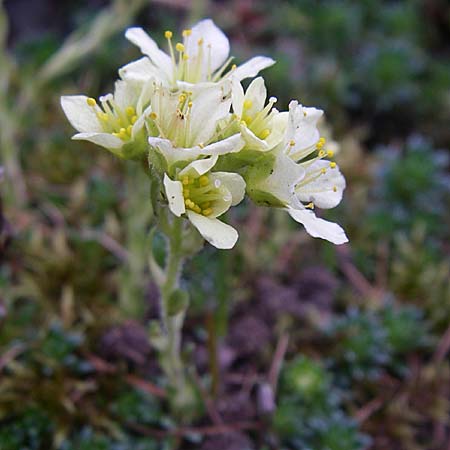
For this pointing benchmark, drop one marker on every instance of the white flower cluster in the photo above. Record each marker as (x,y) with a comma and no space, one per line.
(209,141)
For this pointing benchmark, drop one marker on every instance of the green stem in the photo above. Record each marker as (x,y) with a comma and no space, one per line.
(172,324)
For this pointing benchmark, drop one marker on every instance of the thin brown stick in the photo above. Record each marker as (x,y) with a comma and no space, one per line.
(354,276)
(210,430)
(277,361)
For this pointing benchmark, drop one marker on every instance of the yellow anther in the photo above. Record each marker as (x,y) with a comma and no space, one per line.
(310,205)
(247,119)
(206,205)
(323,171)
(200,41)
(197,208)
(264,133)
(330,153)
(130,129)
(203,180)
(91,101)
(168,34)
(153,116)
(186,192)
(320,143)
(179,47)
(207,211)
(182,98)
(190,104)
(187,33)
(304,113)
(321,154)
(103,116)
(123,133)
(201,145)
(233,67)
(130,111)
(243,123)
(248,104)
(185,56)
(134,119)
(185,180)
(334,189)
(291,143)
(332,165)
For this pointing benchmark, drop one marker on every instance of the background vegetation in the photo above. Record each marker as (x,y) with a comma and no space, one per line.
(293,343)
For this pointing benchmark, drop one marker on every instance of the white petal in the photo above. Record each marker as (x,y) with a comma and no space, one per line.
(126,93)
(174,194)
(173,154)
(302,129)
(148,46)
(321,191)
(215,44)
(281,181)
(104,139)
(237,96)
(317,227)
(251,68)
(253,142)
(209,106)
(214,231)
(199,167)
(256,93)
(81,116)
(141,70)
(232,144)
(277,129)
(234,183)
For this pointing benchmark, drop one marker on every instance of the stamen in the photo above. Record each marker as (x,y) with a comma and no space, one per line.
(207,211)
(320,143)
(91,101)
(264,133)
(330,153)
(153,116)
(332,165)
(203,180)
(334,189)
(130,111)
(168,34)
(179,47)
(248,104)
(187,33)
(310,205)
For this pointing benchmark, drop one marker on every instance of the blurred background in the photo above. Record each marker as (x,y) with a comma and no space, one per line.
(361,332)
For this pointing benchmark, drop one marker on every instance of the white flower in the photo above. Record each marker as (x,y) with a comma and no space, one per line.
(203,196)
(118,120)
(261,126)
(185,125)
(295,175)
(203,56)
(323,183)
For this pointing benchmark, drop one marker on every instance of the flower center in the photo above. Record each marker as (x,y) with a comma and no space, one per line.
(259,123)
(200,194)
(191,68)
(113,119)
